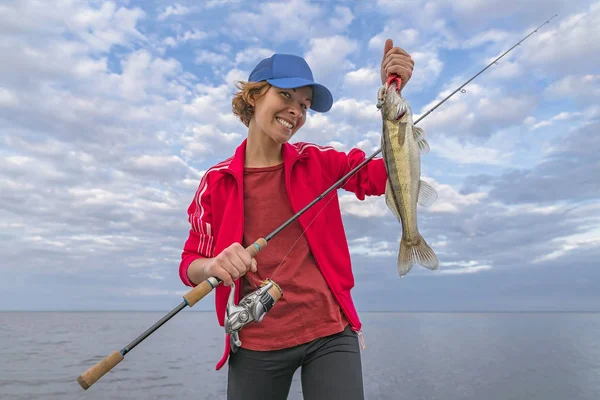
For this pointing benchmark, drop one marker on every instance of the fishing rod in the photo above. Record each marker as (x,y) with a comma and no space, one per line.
(92,374)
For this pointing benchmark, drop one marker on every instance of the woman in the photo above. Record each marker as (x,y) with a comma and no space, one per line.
(314,325)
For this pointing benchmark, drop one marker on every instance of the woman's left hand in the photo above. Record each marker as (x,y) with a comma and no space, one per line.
(396,61)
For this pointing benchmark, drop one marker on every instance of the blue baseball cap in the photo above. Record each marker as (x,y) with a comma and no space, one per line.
(288,71)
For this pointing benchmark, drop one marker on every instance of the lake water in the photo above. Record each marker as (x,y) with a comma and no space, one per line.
(409,356)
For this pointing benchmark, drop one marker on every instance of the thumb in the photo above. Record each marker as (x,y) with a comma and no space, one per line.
(389,43)
(253,268)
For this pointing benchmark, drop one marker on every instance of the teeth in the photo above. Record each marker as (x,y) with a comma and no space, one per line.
(285,123)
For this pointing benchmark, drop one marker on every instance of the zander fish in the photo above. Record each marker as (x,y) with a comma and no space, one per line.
(401,144)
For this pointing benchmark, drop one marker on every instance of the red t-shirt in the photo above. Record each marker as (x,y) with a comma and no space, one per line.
(307,309)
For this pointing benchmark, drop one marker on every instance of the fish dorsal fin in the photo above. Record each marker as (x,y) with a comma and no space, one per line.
(389,200)
(419,135)
(427,194)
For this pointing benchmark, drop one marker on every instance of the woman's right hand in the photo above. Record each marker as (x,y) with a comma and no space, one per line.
(233,262)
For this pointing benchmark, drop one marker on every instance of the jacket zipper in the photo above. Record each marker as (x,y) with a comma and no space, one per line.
(359,332)
(238,286)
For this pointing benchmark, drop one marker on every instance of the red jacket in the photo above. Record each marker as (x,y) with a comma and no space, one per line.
(216,214)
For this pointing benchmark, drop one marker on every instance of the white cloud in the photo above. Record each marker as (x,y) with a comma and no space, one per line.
(363,76)
(581,87)
(210,57)
(466,267)
(427,69)
(341,18)
(185,37)
(349,108)
(252,55)
(403,38)
(481,111)
(290,20)
(105,138)
(371,206)
(176,9)
(468,153)
(8,98)
(372,247)
(142,74)
(492,35)
(449,199)
(568,48)
(327,55)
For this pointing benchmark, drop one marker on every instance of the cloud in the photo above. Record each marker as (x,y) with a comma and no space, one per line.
(468,153)
(464,267)
(109,119)
(479,112)
(583,88)
(572,160)
(563,116)
(185,37)
(428,68)
(290,20)
(362,76)
(404,38)
(492,35)
(341,18)
(328,55)
(176,9)
(565,48)
(252,55)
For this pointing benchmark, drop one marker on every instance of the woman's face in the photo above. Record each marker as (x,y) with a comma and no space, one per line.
(281,112)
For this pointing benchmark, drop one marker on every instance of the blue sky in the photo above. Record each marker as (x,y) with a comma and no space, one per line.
(110,112)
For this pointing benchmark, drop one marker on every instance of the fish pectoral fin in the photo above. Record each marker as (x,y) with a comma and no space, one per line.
(427,194)
(389,200)
(419,135)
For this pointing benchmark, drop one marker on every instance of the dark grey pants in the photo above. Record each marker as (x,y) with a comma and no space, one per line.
(331,370)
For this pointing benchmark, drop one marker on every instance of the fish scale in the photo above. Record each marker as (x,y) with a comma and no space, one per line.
(401,145)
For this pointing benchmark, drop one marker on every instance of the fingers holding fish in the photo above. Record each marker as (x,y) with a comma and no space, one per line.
(396,61)
(400,67)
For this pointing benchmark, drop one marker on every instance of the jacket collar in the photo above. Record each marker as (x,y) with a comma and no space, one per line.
(289,152)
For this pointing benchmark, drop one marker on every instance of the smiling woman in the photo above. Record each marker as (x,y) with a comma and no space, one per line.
(314,326)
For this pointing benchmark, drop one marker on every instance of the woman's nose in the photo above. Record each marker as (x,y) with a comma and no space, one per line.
(296,110)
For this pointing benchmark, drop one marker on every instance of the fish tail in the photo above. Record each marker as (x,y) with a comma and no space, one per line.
(413,252)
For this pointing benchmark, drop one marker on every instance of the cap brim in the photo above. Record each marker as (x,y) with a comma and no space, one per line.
(322,98)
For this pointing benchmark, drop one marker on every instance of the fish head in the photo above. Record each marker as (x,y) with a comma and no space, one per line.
(393,106)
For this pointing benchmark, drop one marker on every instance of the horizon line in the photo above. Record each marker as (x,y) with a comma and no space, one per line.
(360,311)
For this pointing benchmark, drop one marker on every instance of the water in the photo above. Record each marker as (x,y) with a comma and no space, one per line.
(409,356)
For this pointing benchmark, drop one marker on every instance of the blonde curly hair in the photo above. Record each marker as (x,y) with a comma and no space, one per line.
(248,91)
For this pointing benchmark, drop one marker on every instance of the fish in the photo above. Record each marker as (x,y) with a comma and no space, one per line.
(401,145)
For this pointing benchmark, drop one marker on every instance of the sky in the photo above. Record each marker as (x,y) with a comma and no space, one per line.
(111,112)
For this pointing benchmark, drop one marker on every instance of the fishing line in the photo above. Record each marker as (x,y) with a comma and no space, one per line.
(302,234)
(92,374)
(460,88)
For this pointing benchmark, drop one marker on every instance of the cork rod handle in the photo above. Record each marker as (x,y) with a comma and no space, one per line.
(255,247)
(89,377)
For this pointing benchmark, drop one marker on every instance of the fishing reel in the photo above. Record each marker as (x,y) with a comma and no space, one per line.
(252,307)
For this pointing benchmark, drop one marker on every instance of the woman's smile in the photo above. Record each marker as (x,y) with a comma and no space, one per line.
(288,124)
